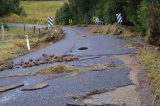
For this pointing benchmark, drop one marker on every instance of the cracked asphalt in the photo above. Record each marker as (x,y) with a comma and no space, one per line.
(101,49)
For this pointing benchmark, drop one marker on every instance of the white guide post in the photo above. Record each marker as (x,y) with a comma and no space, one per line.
(2,31)
(27,41)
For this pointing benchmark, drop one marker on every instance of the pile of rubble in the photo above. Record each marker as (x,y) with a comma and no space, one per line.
(44,59)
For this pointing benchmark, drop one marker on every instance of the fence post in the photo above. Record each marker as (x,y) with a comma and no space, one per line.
(24,27)
(39,31)
(2,31)
(34,29)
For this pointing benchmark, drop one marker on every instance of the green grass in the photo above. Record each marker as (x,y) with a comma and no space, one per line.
(14,42)
(37,12)
(151,60)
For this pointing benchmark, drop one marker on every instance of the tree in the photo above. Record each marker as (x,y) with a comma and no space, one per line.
(152,14)
(11,6)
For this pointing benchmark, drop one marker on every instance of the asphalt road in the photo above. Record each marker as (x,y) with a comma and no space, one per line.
(98,45)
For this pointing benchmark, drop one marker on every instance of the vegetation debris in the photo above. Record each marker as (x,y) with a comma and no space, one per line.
(44,59)
(52,35)
(98,66)
(55,69)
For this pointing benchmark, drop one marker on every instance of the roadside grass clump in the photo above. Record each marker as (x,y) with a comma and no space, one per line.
(55,69)
(52,35)
(151,60)
(99,66)
(115,29)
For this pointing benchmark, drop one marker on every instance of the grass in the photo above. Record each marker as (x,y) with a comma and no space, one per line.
(114,29)
(151,60)
(37,12)
(14,43)
(55,69)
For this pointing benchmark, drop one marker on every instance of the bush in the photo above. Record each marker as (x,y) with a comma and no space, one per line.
(153,20)
(11,6)
(63,15)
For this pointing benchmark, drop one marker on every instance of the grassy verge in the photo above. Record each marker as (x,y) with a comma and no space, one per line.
(14,43)
(151,60)
(37,12)
(115,29)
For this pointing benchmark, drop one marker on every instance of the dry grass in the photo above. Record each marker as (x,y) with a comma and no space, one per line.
(98,66)
(151,60)
(55,69)
(114,29)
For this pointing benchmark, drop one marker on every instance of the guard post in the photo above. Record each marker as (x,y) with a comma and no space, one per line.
(50,22)
(27,41)
(119,18)
(2,32)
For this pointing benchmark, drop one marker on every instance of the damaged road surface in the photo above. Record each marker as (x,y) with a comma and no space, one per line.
(102,76)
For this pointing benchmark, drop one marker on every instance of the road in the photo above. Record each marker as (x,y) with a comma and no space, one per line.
(101,49)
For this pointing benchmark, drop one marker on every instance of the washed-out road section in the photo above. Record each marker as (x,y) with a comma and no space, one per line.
(101,49)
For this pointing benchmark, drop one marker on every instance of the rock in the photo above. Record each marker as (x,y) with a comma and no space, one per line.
(44,55)
(30,60)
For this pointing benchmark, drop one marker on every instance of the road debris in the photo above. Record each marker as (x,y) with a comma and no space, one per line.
(52,36)
(44,59)
(99,66)
(82,104)
(56,69)
(100,91)
(36,87)
(6,65)
(10,87)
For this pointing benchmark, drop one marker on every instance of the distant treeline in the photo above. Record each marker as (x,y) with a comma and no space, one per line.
(144,15)
(11,6)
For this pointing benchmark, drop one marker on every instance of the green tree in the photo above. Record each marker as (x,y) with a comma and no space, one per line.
(11,6)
